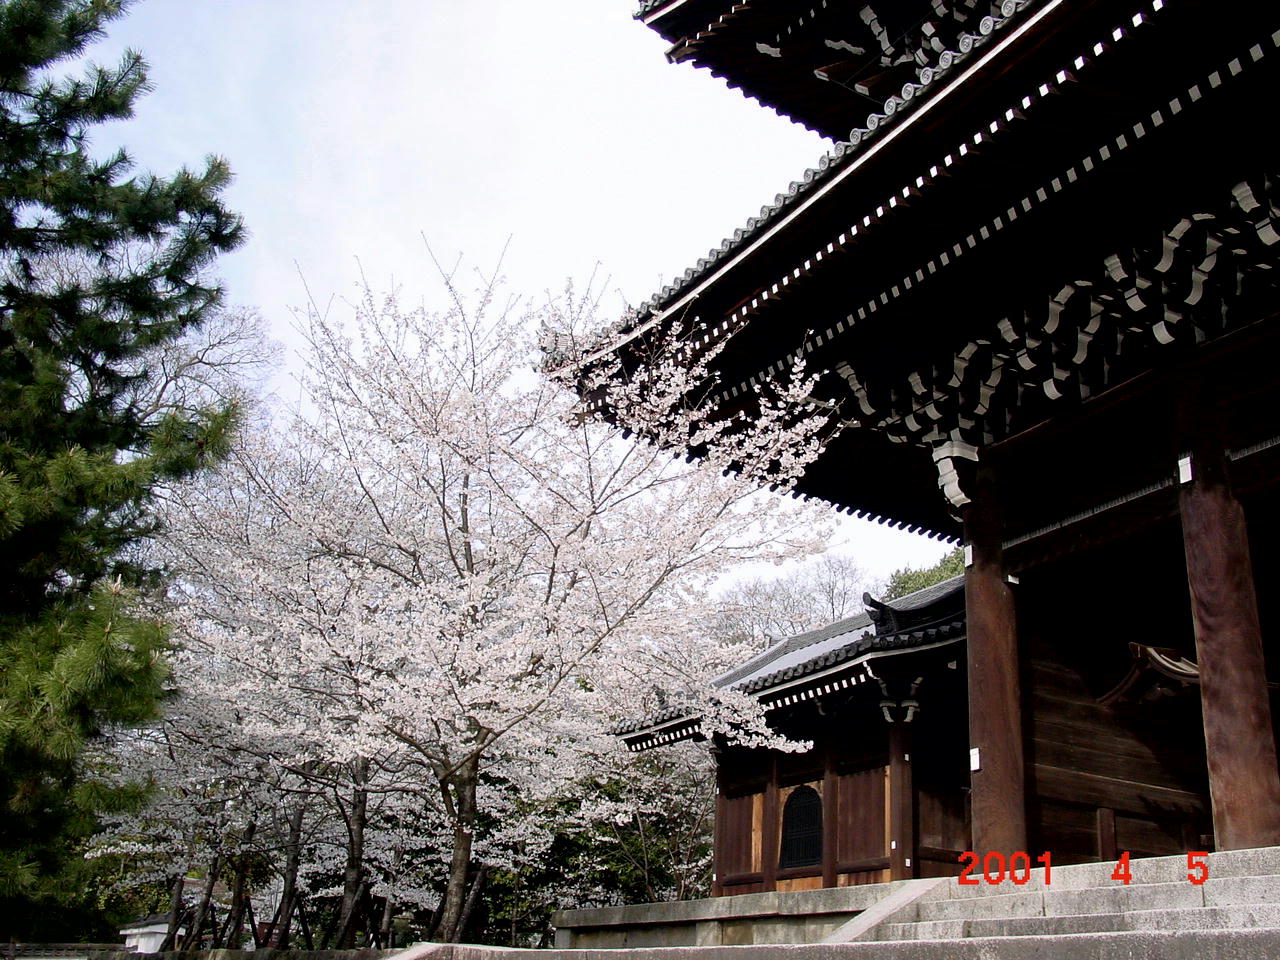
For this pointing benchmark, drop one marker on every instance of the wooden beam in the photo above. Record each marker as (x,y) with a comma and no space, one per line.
(1244,784)
(998,790)
(902,806)
(769,829)
(718,839)
(1106,834)
(830,817)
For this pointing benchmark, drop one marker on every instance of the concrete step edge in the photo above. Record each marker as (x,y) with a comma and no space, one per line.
(1118,921)
(1054,891)
(1219,944)
(1253,944)
(1145,870)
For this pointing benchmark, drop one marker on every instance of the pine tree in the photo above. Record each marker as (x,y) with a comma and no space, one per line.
(910,579)
(99,268)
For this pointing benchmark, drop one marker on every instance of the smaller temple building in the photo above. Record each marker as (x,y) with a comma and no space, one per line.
(884,792)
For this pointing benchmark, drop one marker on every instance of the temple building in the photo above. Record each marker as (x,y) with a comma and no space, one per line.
(878,696)
(884,792)
(1040,264)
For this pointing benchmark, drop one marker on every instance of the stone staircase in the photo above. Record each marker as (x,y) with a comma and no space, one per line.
(1084,905)
(1082,914)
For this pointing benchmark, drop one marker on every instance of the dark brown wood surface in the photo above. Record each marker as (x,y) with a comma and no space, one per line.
(995,710)
(733,835)
(769,831)
(860,806)
(830,820)
(1244,784)
(718,839)
(1128,776)
(902,835)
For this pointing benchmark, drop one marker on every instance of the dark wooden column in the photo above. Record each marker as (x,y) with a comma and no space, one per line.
(995,706)
(1244,786)
(717,831)
(830,818)
(1106,827)
(769,832)
(902,807)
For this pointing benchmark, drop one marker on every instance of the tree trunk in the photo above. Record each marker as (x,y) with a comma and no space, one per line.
(279,935)
(347,927)
(232,933)
(175,912)
(372,919)
(385,927)
(306,927)
(473,896)
(515,905)
(253,922)
(192,939)
(388,906)
(353,874)
(448,928)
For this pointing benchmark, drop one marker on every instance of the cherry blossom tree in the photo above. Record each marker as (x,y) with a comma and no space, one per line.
(445,578)
(763,610)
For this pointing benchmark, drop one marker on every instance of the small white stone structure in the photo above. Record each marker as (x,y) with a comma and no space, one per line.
(146,935)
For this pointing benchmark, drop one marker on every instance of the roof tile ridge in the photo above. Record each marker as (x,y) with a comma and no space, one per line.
(839,156)
(781,647)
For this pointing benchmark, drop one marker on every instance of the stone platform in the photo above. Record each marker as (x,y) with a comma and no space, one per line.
(1082,913)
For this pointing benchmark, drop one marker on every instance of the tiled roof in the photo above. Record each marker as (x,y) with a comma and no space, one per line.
(809,653)
(648,6)
(840,156)
(653,720)
(840,641)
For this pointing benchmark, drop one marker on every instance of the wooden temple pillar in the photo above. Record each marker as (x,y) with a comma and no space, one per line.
(996,779)
(771,829)
(718,838)
(830,818)
(902,808)
(1244,784)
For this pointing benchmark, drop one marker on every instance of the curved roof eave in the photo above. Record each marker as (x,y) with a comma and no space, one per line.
(833,169)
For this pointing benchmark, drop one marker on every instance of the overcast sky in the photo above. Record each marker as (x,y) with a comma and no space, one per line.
(357,128)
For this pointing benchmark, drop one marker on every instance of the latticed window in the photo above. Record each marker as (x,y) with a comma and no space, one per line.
(801,829)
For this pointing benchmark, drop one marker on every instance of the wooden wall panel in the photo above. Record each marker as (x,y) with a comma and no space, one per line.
(1120,793)
(1148,838)
(941,815)
(1067,830)
(1101,777)
(733,890)
(938,868)
(800,883)
(861,798)
(1092,766)
(738,836)
(757,832)
(859,877)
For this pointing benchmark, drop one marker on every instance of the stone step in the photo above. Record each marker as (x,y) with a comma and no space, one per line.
(1122,899)
(1116,898)
(1006,905)
(1054,902)
(1230,863)
(1001,927)
(922,930)
(1206,918)
(1227,891)
(1257,944)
